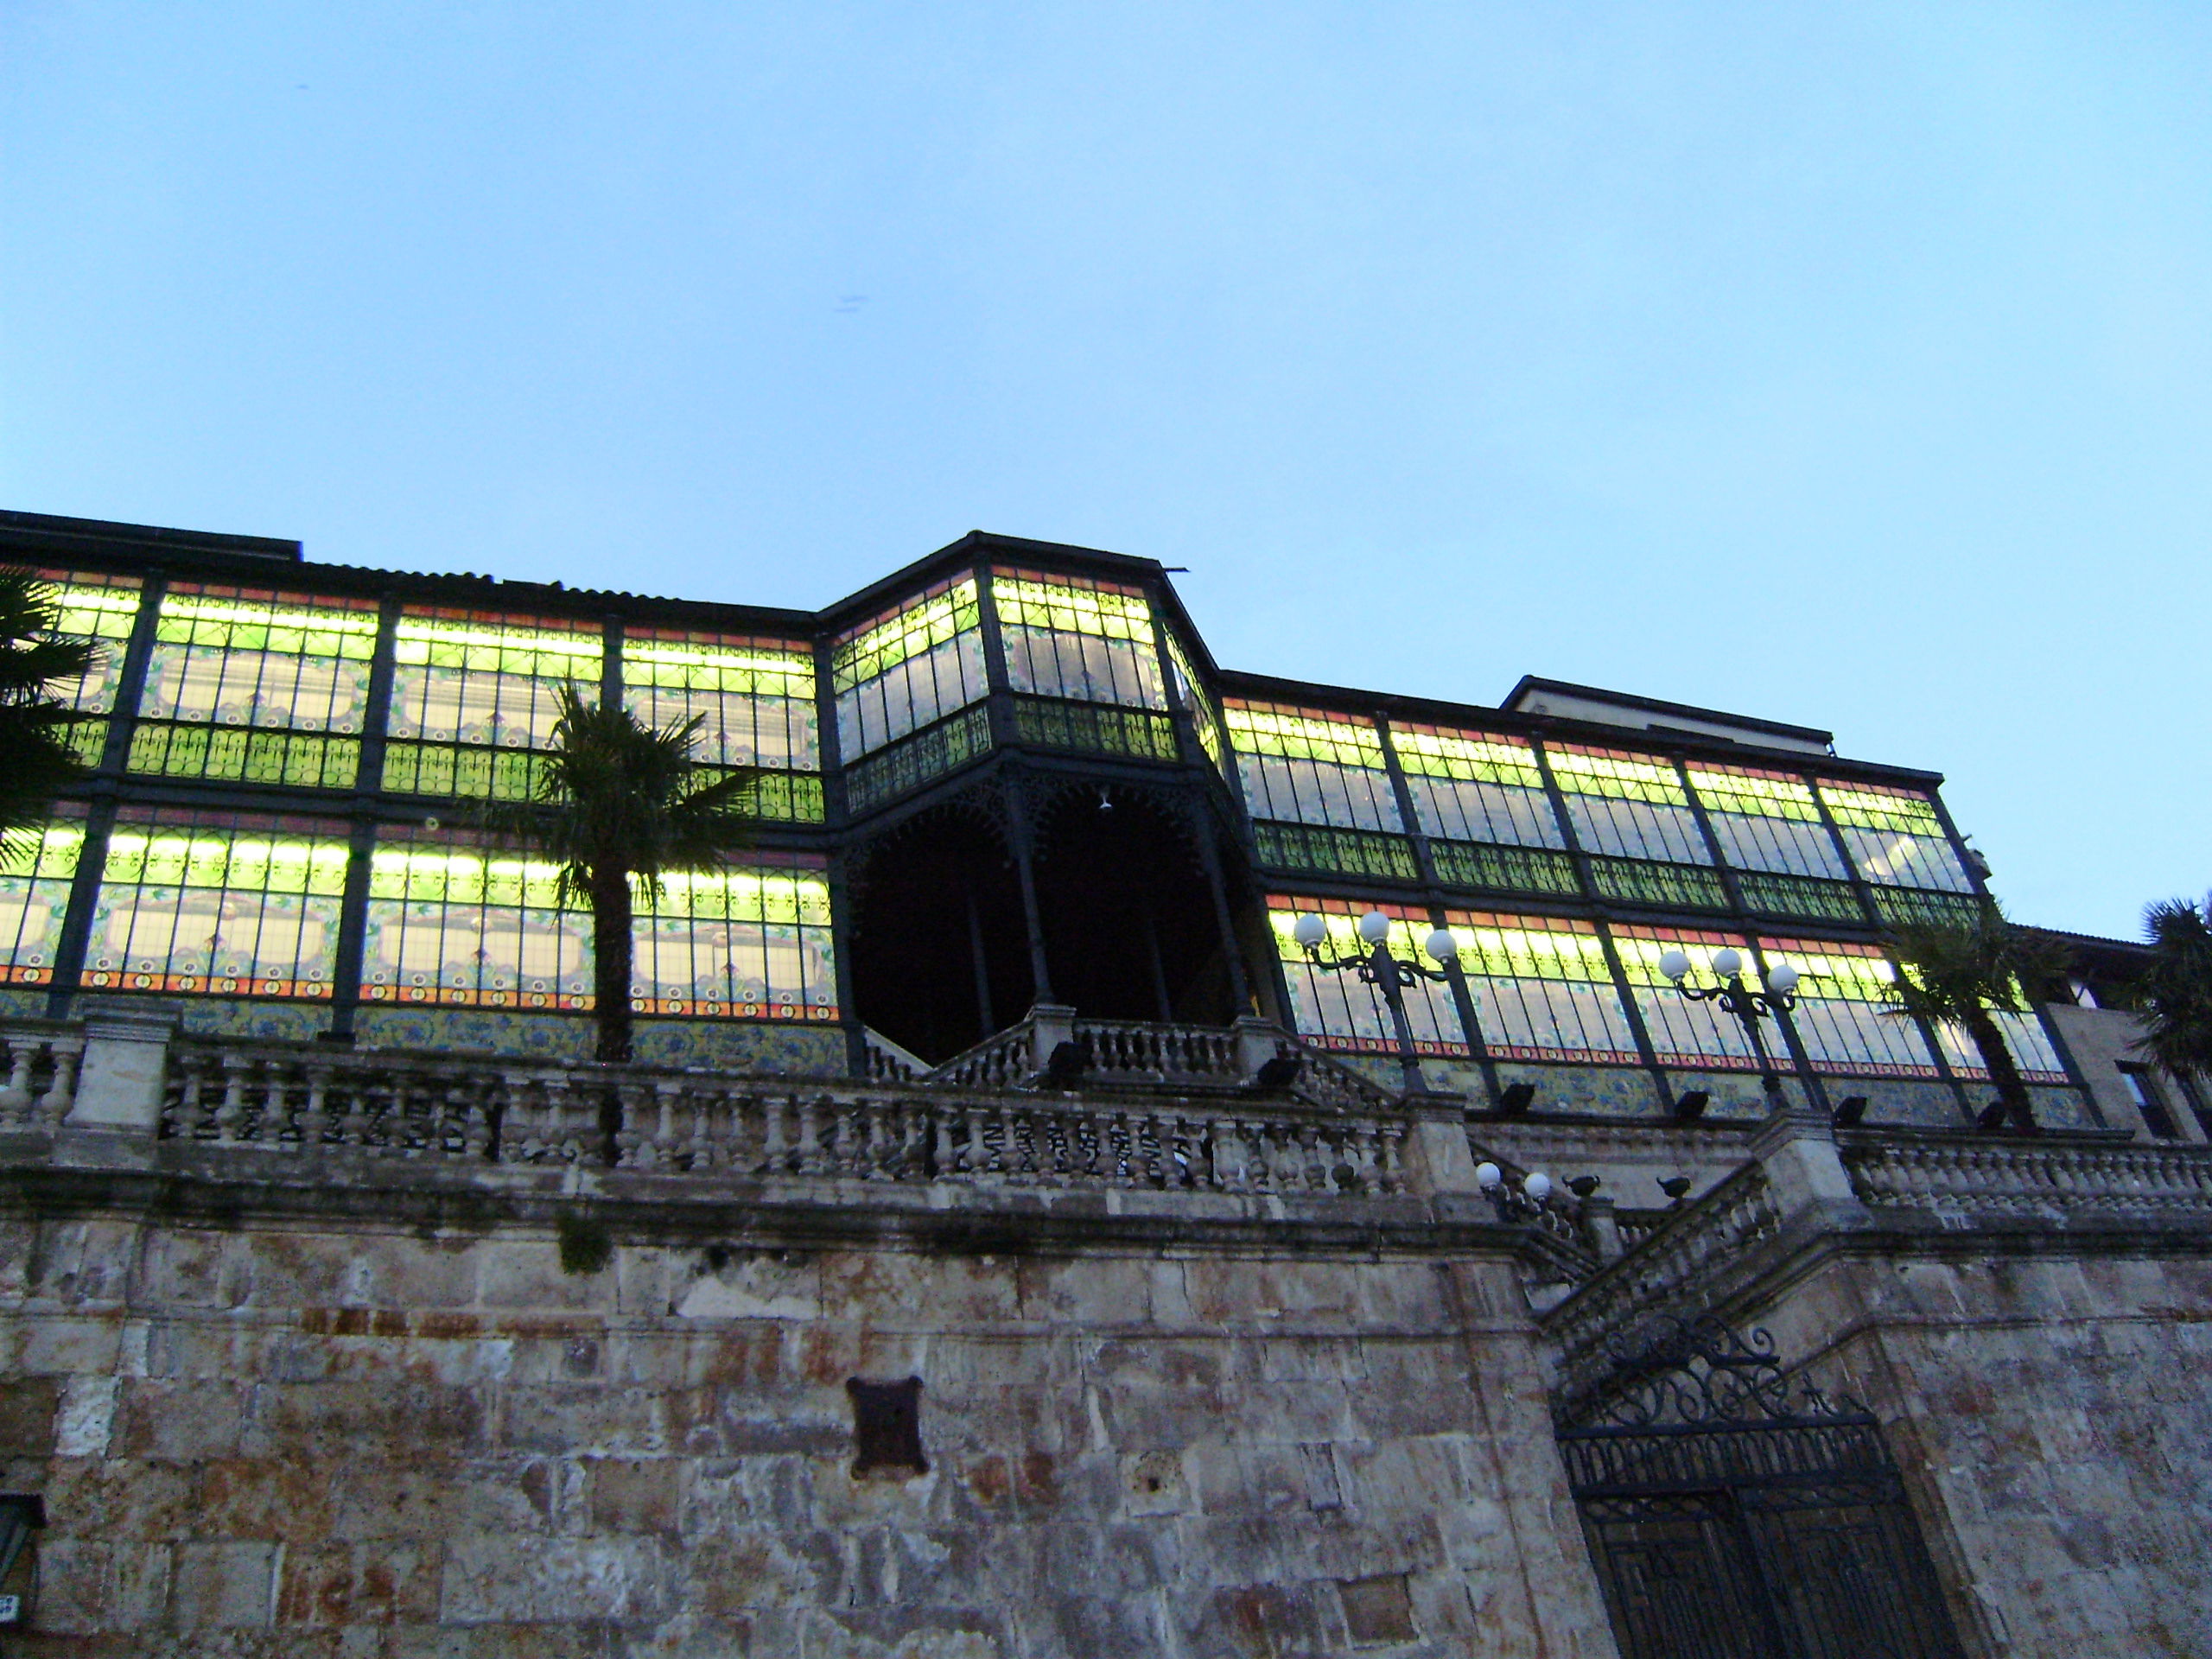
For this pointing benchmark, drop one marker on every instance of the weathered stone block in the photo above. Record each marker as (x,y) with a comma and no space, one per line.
(217,1587)
(496,1579)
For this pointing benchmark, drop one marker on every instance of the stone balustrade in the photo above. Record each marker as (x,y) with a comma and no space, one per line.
(1129,1048)
(1668,1265)
(39,1062)
(1002,1061)
(309,1102)
(1982,1176)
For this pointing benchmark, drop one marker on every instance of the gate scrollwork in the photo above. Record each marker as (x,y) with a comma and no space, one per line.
(1701,1372)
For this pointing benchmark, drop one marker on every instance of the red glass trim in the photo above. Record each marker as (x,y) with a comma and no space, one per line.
(273,596)
(900,608)
(185,817)
(1081,584)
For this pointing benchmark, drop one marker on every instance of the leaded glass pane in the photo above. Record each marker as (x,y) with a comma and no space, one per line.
(450,922)
(471,689)
(1191,693)
(1307,766)
(236,905)
(1542,989)
(1628,805)
(1843,1017)
(1766,821)
(898,671)
(1336,1010)
(1475,786)
(36,868)
(909,765)
(1894,836)
(754,699)
(1684,1032)
(749,944)
(1073,637)
(2029,1044)
(93,606)
(481,679)
(241,657)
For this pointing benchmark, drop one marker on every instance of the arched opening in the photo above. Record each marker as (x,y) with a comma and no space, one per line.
(940,953)
(1130,929)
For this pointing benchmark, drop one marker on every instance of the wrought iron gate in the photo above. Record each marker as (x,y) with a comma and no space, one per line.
(1732,1517)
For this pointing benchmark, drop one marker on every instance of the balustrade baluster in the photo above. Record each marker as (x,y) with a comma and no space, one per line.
(232,1111)
(15,1098)
(61,1088)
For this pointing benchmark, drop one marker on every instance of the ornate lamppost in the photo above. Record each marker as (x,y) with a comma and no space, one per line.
(1387,973)
(1740,1000)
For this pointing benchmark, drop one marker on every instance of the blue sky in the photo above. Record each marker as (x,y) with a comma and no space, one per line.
(1847,364)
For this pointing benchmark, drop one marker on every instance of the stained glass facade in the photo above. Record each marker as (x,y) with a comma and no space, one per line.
(221,903)
(1339,1011)
(1894,836)
(260,673)
(908,667)
(256,686)
(473,692)
(1476,786)
(754,699)
(1684,1032)
(751,944)
(1842,1015)
(1542,989)
(35,880)
(455,924)
(1306,766)
(1767,821)
(1628,805)
(1190,691)
(104,608)
(1073,637)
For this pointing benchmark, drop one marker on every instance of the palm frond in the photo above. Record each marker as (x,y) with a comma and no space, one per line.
(2176,991)
(618,801)
(37,759)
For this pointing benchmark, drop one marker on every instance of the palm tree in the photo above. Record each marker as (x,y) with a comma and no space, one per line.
(617,799)
(1961,973)
(36,760)
(2175,993)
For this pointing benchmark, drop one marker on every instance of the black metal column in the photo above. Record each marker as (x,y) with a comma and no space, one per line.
(360,852)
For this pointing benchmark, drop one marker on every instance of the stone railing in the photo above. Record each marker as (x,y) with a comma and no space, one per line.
(39,1061)
(1670,1262)
(1125,1052)
(1004,1061)
(1635,1226)
(1983,1176)
(315,1103)
(1160,1053)
(887,1062)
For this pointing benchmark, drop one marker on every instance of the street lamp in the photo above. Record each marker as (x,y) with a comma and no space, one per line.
(1735,997)
(1387,973)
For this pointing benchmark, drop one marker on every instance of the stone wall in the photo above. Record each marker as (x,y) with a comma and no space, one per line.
(2052,1414)
(313,1442)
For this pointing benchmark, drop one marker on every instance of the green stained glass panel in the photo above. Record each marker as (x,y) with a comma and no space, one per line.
(1644,881)
(1511,869)
(1087,727)
(300,759)
(1336,852)
(452,771)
